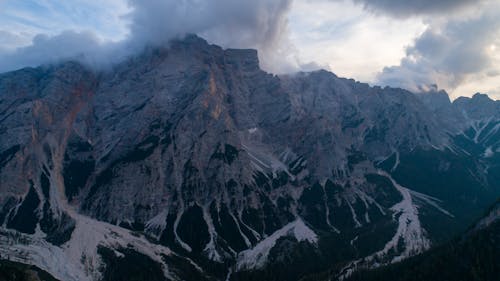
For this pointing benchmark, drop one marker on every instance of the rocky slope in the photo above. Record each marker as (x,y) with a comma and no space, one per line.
(473,256)
(193,161)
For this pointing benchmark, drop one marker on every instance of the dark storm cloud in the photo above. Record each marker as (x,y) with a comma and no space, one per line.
(403,8)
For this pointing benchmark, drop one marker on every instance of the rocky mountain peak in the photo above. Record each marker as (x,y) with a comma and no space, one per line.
(192,158)
(436,99)
(480,106)
(247,59)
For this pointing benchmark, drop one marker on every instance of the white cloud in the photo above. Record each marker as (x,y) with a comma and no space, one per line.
(456,55)
(69,45)
(350,41)
(51,17)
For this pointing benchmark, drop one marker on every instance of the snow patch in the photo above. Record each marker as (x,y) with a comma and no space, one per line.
(353,240)
(254,232)
(488,152)
(409,233)
(409,230)
(479,129)
(210,248)
(354,216)
(396,163)
(257,256)
(264,161)
(78,258)
(158,223)
(245,238)
(432,201)
(177,237)
(492,217)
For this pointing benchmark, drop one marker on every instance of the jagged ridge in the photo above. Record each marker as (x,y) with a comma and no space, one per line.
(193,156)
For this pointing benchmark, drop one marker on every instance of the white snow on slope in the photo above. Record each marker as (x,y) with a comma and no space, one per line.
(157,224)
(409,230)
(431,201)
(210,248)
(492,132)
(177,237)
(479,128)
(78,258)
(409,233)
(493,216)
(256,257)
(488,152)
(354,216)
(396,163)
(25,249)
(264,161)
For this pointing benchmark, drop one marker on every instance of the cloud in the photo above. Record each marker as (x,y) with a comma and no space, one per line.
(260,24)
(449,54)
(69,45)
(236,23)
(9,40)
(54,16)
(495,93)
(457,45)
(351,41)
(401,8)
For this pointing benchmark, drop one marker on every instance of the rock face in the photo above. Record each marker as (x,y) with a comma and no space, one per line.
(192,161)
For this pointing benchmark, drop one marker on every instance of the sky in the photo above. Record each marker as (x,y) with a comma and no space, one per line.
(417,45)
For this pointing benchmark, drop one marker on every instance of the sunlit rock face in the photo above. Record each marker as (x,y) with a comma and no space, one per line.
(191,160)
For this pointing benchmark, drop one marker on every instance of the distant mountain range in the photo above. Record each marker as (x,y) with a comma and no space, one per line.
(188,162)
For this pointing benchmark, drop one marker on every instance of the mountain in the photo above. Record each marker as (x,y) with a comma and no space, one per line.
(191,161)
(474,256)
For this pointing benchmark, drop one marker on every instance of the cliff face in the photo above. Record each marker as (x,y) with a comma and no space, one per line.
(194,159)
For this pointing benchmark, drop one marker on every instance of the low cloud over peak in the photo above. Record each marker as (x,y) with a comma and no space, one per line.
(259,24)
(411,44)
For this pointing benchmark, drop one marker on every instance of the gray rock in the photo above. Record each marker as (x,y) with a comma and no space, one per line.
(199,150)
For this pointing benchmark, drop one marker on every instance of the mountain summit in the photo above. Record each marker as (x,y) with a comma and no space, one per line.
(191,161)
